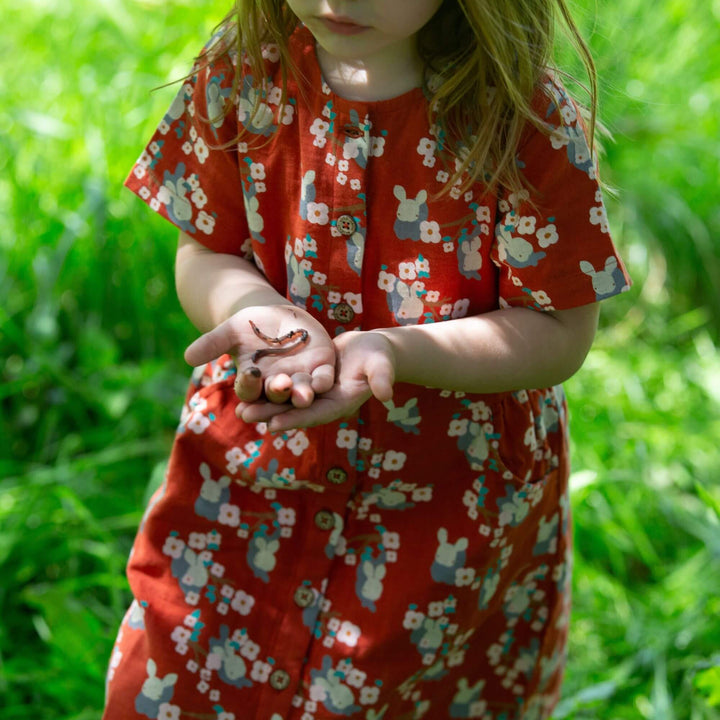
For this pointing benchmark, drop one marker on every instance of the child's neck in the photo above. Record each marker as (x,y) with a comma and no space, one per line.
(384,75)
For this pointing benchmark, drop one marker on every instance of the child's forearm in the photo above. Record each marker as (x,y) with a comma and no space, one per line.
(495,352)
(211,286)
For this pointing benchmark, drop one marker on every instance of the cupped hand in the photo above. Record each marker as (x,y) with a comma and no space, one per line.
(297,366)
(365,366)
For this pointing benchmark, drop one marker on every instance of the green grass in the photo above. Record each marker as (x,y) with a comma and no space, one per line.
(92,374)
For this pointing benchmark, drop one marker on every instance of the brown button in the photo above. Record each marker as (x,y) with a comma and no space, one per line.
(325,520)
(346,225)
(304,596)
(343,313)
(279,680)
(336,475)
(353,131)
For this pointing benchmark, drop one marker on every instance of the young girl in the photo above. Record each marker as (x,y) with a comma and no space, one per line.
(393,239)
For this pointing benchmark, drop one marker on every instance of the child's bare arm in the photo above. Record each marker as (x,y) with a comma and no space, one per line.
(495,352)
(232,303)
(498,351)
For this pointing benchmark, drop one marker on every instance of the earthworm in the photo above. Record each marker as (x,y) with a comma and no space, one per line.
(282,345)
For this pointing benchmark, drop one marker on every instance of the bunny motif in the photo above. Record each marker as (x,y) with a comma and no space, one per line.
(215,97)
(517,601)
(231,668)
(405,302)
(173,194)
(135,615)
(255,221)
(297,282)
(155,691)
(339,698)
(547,535)
(465,696)
(406,416)
(190,570)
(308,193)
(311,612)
(387,497)
(257,117)
(488,588)
(470,256)
(517,251)
(436,671)
(474,443)
(369,577)
(428,638)
(261,552)
(213,494)
(356,250)
(411,213)
(606,281)
(335,535)
(449,557)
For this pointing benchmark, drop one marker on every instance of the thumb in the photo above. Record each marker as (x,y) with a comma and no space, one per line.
(380,375)
(218,341)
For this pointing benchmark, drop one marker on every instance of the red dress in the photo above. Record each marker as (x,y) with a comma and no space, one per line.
(411,562)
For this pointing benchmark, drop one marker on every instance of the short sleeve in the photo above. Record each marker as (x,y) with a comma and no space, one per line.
(552,243)
(188,172)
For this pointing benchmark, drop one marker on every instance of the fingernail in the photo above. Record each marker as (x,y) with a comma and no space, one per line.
(254,371)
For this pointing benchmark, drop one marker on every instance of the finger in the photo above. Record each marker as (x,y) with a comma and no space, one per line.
(380,376)
(278,388)
(302,392)
(319,413)
(323,378)
(258,412)
(249,384)
(218,341)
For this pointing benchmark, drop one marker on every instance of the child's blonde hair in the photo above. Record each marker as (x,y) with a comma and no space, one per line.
(486,59)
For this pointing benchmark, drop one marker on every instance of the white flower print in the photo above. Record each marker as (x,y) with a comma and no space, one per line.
(526,225)
(346,438)
(559,138)
(205,223)
(442,176)
(541,297)
(354,300)
(199,198)
(413,620)
(406,271)
(391,540)
(173,547)
(348,634)
(318,213)
(319,278)
(430,231)
(334,297)
(464,576)
(168,712)
(197,541)
(242,602)
(330,159)
(351,149)
(394,461)
(319,128)
(458,427)
(482,214)
(448,247)
(386,281)
(547,235)
(377,146)
(257,171)
(286,516)
(356,678)
(436,609)
(341,178)
(569,114)
(432,296)
(201,150)
(598,216)
(355,184)
(229,515)
(460,308)
(298,443)
(369,695)
(250,650)
(260,671)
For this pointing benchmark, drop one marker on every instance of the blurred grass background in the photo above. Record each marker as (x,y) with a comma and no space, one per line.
(92,372)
